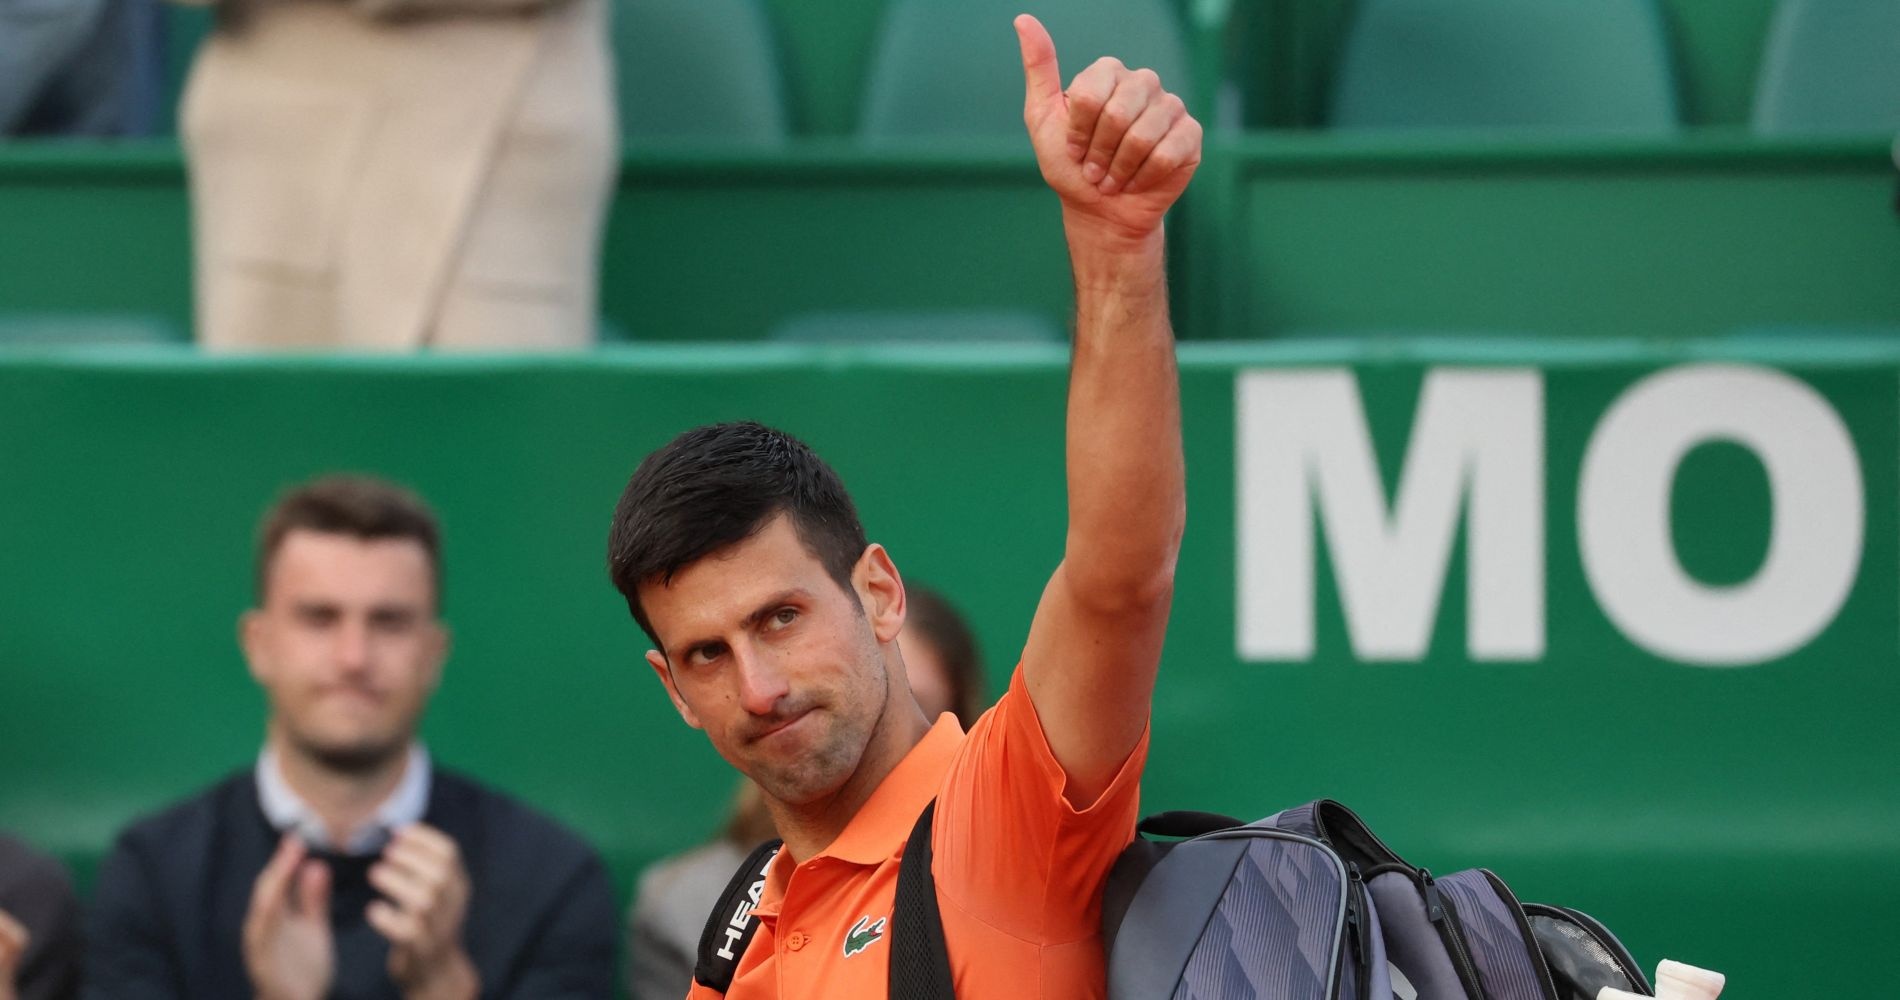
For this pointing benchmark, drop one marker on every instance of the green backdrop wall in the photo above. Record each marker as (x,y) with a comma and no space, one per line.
(1737,812)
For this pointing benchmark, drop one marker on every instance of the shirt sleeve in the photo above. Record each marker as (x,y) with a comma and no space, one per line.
(1010,850)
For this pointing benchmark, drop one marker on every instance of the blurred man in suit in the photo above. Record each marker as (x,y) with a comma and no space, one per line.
(344,863)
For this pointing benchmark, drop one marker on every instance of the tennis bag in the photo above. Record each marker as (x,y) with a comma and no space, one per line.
(1309,904)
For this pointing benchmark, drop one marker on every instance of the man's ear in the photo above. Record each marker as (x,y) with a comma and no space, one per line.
(657,661)
(442,640)
(881,591)
(250,637)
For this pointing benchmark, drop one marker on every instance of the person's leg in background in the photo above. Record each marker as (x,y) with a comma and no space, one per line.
(527,271)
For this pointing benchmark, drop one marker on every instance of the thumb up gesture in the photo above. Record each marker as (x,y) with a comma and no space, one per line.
(1115,146)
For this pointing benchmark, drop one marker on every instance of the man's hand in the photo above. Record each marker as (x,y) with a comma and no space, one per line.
(13,941)
(1116,147)
(288,950)
(422,874)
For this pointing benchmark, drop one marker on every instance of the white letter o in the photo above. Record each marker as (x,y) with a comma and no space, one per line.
(1623,526)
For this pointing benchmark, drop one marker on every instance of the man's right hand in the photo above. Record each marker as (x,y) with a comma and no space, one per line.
(13,942)
(288,950)
(1116,146)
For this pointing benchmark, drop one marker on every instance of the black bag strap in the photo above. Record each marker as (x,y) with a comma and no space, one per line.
(1184,823)
(731,924)
(920,963)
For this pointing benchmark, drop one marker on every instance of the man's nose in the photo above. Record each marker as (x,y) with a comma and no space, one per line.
(352,649)
(762,684)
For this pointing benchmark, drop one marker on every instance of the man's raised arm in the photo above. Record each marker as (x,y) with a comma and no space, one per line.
(1118,149)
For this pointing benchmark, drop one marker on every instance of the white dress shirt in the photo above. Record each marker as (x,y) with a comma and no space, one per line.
(287,811)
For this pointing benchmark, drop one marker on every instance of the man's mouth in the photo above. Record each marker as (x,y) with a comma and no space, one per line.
(783,723)
(354,694)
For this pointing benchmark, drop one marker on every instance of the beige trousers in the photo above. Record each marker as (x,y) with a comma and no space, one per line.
(391,185)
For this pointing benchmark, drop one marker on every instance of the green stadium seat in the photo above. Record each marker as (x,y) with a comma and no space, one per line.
(918,327)
(952,68)
(1830,67)
(85,330)
(1562,66)
(698,71)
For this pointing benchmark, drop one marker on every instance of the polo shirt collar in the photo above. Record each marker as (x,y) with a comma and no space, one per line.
(882,825)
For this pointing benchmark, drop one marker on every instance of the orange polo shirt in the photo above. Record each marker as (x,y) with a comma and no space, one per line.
(1019,873)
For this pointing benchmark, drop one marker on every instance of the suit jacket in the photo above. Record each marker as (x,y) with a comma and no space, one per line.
(392,174)
(168,909)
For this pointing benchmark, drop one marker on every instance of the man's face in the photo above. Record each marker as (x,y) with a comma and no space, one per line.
(775,661)
(346,645)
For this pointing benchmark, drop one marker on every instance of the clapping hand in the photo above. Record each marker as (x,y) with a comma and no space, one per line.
(427,890)
(13,941)
(288,948)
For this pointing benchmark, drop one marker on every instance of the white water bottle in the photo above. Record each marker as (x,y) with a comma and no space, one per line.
(1675,981)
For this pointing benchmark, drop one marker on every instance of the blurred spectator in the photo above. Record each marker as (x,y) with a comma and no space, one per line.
(400,174)
(39,926)
(676,895)
(940,657)
(345,863)
(79,67)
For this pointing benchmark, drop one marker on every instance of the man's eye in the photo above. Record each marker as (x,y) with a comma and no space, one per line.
(783,617)
(704,654)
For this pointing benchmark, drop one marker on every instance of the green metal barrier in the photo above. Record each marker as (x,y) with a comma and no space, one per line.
(1514,686)
(719,248)
(1281,236)
(698,247)
(1322,235)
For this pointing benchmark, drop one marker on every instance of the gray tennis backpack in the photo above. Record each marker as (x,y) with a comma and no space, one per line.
(1308,904)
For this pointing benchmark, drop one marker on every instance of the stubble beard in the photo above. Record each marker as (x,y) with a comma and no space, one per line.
(824,769)
(352,757)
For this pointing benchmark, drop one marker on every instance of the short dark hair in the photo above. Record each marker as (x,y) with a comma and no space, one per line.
(715,486)
(937,622)
(361,507)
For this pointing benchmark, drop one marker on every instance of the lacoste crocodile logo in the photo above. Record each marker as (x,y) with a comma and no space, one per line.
(863,934)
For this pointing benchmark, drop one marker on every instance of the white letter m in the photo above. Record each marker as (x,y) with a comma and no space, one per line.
(1302,439)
